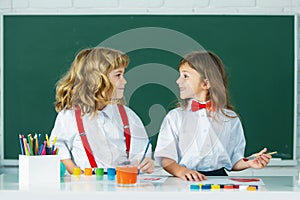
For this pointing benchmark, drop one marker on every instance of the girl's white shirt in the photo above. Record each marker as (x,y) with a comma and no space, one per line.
(105,134)
(199,142)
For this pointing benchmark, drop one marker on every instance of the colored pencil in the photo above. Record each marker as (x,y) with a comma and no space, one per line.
(21,144)
(256,155)
(148,144)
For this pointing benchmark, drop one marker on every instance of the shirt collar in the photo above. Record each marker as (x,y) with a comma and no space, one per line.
(108,110)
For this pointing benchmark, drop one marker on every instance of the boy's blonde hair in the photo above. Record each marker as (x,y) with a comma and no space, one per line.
(86,84)
(210,67)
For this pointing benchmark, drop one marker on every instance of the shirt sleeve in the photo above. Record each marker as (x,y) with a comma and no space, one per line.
(63,143)
(239,142)
(167,141)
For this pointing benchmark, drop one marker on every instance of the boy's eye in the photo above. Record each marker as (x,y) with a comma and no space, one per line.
(185,76)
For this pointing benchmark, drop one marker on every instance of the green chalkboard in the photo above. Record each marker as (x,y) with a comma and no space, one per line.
(258,52)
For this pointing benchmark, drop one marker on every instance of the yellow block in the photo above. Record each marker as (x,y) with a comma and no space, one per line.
(251,188)
(215,187)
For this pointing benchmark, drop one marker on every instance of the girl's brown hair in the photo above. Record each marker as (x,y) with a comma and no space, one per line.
(210,67)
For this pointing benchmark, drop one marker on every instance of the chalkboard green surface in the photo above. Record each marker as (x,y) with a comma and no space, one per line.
(258,52)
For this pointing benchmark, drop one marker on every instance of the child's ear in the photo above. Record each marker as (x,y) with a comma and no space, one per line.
(206,84)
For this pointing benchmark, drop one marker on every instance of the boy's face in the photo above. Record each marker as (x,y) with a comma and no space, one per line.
(116,77)
(190,83)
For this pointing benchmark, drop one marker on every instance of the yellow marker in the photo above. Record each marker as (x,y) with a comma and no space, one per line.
(53,145)
(54,140)
(47,141)
(36,144)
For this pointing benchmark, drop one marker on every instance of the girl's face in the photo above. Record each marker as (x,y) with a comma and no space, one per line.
(190,84)
(116,77)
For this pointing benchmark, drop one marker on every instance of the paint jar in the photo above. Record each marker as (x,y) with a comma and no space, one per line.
(127,172)
(111,173)
(88,171)
(99,173)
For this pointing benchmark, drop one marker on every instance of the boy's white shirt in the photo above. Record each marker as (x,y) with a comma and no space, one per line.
(196,141)
(105,134)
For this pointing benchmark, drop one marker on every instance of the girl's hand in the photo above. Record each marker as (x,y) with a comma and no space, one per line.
(70,165)
(146,166)
(180,171)
(261,161)
(191,175)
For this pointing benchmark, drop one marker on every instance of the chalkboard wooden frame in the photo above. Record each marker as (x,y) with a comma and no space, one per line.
(71,54)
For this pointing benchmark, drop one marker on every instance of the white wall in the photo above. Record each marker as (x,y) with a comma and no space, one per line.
(160,6)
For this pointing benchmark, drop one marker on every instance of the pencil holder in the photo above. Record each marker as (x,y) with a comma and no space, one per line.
(38,170)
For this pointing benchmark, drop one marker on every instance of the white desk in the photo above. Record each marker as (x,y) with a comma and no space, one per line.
(89,188)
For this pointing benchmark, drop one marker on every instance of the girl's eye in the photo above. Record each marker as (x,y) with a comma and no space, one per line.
(118,75)
(185,76)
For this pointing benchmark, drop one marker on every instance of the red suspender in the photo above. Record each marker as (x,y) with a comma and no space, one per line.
(83,137)
(126,127)
(85,142)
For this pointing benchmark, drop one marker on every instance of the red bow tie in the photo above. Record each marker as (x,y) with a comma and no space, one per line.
(197,106)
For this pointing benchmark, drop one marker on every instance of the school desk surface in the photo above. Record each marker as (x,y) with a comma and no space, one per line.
(276,187)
